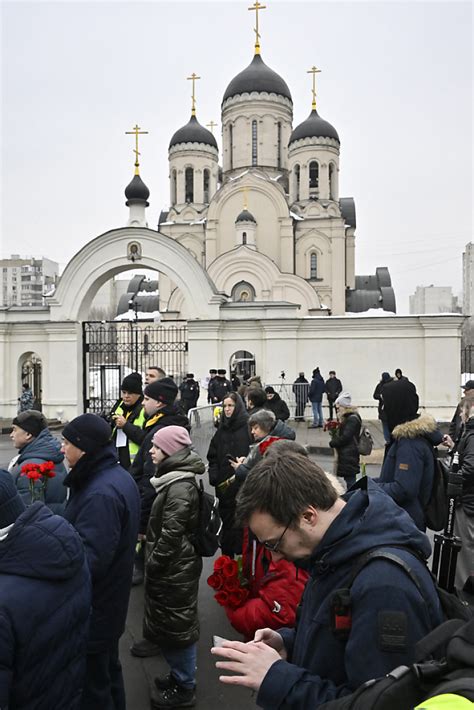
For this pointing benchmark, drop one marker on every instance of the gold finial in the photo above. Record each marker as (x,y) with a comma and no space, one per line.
(314,70)
(137,132)
(211,125)
(193,78)
(256,7)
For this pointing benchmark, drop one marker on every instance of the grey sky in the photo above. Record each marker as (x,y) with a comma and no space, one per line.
(396,84)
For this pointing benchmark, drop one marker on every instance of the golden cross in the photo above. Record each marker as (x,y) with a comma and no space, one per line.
(193,78)
(137,133)
(211,125)
(314,71)
(256,7)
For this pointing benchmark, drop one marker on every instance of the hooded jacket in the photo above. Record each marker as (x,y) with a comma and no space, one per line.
(279,431)
(45,601)
(104,507)
(279,407)
(172,565)
(346,443)
(44,447)
(320,667)
(316,388)
(232,439)
(408,470)
(143,467)
(275,589)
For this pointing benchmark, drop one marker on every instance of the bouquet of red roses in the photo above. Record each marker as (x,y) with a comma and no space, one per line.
(226,581)
(332,426)
(38,473)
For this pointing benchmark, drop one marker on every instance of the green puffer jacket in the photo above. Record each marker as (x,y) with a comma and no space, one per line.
(172,566)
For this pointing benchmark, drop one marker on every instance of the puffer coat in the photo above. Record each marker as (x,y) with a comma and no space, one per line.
(346,444)
(172,565)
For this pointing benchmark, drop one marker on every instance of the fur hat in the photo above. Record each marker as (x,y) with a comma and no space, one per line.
(31,421)
(221,371)
(171,439)
(164,390)
(89,432)
(11,505)
(132,383)
(344,400)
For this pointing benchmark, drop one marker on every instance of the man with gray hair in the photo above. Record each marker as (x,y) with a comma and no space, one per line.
(265,429)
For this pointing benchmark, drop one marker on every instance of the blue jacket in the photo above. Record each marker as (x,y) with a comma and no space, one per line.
(104,507)
(408,470)
(44,447)
(316,389)
(45,602)
(321,667)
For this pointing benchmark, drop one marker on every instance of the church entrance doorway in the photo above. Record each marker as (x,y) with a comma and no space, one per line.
(31,370)
(113,349)
(243,363)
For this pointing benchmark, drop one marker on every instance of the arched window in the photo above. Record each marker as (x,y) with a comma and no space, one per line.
(244,237)
(205,184)
(313,174)
(279,144)
(189,185)
(332,190)
(174,187)
(297,183)
(231,147)
(313,266)
(254,142)
(242,292)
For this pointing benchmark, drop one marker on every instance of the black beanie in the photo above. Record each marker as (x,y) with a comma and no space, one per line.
(31,421)
(164,390)
(11,505)
(400,402)
(132,383)
(88,432)
(269,390)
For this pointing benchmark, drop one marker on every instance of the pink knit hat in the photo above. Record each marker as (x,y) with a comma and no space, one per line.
(171,439)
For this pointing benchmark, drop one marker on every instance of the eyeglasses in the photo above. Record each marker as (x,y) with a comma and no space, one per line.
(275,546)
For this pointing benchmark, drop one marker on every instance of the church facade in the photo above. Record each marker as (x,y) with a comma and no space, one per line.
(265,218)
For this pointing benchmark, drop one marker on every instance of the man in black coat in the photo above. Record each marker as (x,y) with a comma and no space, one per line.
(189,390)
(219,387)
(333,390)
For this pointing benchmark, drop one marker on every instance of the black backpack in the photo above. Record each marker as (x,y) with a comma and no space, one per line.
(206,539)
(406,686)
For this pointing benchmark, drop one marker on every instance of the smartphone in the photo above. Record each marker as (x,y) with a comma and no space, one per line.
(218,640)
(231,458)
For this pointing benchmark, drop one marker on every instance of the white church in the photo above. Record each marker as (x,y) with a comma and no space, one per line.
(255,256)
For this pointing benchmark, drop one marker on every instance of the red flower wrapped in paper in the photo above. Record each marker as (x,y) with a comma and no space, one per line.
(227,580)
(332,426)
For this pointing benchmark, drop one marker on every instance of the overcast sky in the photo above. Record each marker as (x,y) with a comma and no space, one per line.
(396,83)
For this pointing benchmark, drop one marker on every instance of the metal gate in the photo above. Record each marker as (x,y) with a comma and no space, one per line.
(111,350)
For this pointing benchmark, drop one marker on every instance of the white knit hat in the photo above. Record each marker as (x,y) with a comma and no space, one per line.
(344,400)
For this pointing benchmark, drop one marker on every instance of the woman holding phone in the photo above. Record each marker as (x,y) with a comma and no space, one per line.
(231,441)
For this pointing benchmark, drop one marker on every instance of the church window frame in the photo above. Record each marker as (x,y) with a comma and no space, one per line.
(189,184)
(231,146)
(206,182)
(279,144)
(174,186)
(313,175)
(313,266)
(297,173)
(332,181)
(244,237)
(254,143)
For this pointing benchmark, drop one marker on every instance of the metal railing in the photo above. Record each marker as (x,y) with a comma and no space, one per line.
(202,428)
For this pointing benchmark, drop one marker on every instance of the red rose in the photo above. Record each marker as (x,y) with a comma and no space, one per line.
(215,581)
(235,599)
(220,562)
(230,568)
(49,474)
(221,598)
(231,584)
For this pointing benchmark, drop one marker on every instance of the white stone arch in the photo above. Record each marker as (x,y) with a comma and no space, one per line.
(313,241)
(106,255)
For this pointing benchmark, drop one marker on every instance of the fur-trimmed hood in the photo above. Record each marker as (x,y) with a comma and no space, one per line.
(424,425)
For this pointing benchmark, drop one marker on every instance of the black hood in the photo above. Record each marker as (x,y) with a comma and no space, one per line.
(400,401)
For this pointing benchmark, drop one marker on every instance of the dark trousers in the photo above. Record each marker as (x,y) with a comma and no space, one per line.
(331,408)
(103,687)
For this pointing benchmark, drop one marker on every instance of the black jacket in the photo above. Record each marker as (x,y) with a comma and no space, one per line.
(218,388)
(345,442)
(143,467)
(279,407)
(231,439)
(172,565)
(189,392)
(466,460)
(333,388)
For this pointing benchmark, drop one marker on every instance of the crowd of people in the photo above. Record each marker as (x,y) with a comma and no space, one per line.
(126,509)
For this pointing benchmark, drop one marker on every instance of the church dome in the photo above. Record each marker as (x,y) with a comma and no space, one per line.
(137,190)
(257,77)
(193,132)
(314,127)
(245,216)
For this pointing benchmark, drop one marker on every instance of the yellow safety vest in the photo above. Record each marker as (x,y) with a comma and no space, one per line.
(446,701)
(138,421)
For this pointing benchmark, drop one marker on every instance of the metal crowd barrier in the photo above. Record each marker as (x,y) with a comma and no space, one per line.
(202,428)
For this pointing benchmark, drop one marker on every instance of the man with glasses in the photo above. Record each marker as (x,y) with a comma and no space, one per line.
(339,641)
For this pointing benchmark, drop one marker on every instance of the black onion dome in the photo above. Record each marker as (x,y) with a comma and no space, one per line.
(314,126)
(137,190)
(245,216)
(257,77)
(193,132)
